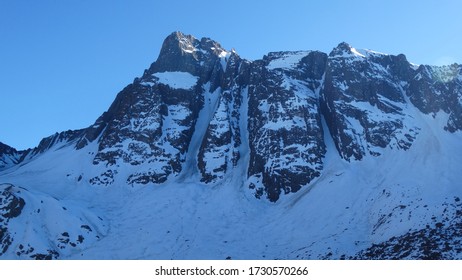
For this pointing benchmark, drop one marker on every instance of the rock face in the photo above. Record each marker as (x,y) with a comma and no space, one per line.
(8,156)
(10,207)
(364,103)
(222,145)
(203,112)
(438,88)
(152,121)
(285,130)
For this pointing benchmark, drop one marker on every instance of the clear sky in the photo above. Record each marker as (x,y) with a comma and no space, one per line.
(62,62)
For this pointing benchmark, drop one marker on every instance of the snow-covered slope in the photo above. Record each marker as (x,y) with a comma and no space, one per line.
(8,156)
(211,156)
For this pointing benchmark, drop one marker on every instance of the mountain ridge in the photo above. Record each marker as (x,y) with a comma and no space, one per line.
(387,81)
(263,130)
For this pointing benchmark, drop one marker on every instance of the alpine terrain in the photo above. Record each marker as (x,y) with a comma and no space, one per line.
(353,154)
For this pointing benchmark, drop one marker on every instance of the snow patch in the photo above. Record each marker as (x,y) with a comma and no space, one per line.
(287,61)
(358,53)
(224,55)
(177,80)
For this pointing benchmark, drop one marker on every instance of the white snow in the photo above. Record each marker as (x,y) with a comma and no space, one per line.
(172,128)
(220,120)
(149,84)
(177,80)
(287,60)
(205,115)
(46,218)
(342,86)
(355,53)
(358,53)
(224,55)
(414,66)
(8,160)
(186,45)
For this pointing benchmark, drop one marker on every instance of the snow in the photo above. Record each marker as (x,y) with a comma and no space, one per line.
(220,120)
(365,53)
(172,128)
(224,56)
(8,160)
(288,60)
(373,112)
(414,66)
(186,45)
(299,87)
(58,217)
(148,84)
(205,115)
(177,80)
(358,53)
(343,86)
(215,158)
(372,52)
(190,220)
(391,103)
(244,149)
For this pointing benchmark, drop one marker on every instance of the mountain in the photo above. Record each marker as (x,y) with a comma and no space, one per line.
(8,156)
(299,155)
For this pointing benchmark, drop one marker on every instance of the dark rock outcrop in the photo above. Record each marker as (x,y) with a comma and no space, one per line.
(362,99)
(285,131)
(9,156)
(11,206)
(438,88)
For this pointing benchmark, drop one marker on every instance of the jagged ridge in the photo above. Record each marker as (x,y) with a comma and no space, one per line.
(203,116)
(187,109)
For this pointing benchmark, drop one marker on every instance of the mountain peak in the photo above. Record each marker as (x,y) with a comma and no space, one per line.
(346,50)
(181,52)
(179,35)
(178,43)
(344,46)
(184,44)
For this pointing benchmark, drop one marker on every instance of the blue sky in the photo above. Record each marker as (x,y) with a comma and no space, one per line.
(63,62)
